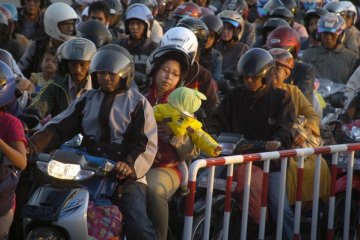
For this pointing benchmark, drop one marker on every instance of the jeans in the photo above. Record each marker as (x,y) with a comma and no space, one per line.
(132,204)
(289,217)
(162,184)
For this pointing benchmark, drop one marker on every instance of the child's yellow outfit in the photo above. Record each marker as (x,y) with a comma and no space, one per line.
(178,114)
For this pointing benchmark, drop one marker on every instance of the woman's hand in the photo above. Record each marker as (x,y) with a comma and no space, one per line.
(122,170)
(164,132)
(299,140)
(272,145)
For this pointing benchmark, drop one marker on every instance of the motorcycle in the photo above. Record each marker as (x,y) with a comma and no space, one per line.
(59,210)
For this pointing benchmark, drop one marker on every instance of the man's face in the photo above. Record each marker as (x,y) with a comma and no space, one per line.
(32,6)
(78,70)
(253,83)
(281,73)
(329,40)
(109,82)
(313,24)
(136,28)
(100,16)
(67,27)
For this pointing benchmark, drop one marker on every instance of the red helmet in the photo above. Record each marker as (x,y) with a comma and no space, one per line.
(187,9)
(284,37)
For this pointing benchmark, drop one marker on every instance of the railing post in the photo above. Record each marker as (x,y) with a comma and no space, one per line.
(265,187)
(300,175)
(280,215)
(227,208)
(349,178)
(316,198)
(330,232)
(245,207)
(209,195)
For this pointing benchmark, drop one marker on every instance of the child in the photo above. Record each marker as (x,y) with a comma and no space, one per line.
(12,150)
(178,114)
(48,67)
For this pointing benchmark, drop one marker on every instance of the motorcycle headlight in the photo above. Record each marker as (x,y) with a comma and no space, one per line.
(64,171)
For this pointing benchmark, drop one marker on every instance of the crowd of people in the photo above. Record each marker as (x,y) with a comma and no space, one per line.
(133,76)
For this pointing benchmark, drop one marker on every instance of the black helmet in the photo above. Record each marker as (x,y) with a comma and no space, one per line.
(271,24)
(291,5)
(283,13)
(213,23)
(256,62)
(95,31)
(314,12)
(167,52)
(198,27)
(151,4)
(114,59)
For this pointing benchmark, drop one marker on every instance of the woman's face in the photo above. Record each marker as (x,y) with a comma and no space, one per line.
(228,32)
(168,76)
(278,78)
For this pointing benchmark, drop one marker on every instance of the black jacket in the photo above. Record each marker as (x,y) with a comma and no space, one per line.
(267,115)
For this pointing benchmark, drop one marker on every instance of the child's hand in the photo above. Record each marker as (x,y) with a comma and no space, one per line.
(217,150)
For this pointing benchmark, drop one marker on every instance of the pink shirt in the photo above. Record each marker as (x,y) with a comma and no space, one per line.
(11,129)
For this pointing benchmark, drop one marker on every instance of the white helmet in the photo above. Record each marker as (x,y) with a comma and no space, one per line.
(56,13)
(140,12)
(342,6)
(182,37)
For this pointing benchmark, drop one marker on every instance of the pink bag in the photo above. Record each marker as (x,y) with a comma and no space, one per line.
(104,222)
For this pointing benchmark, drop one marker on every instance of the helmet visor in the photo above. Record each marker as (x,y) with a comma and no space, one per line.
(3,81)
(232,22)
(329,30)
(110,61)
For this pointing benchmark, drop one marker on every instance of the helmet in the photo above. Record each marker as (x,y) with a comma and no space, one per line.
(151,4)
(140,12)
(182,37)
(282,57)
(213,23)
(7,58)
(332,23)
(168,52)
(114,59)
(283,13)
(271,24)
(12,9)
(198,27)
(78,48)
(310,4)
(56,13)
(206,11)
(95,31)
(342,8)
(239,6)
(285,37)
(7,84)
(3,19)
(272,4)
(115,6)
(315,12)
(235,19)
(188,9)
(256,62)
(6,12)
(291,5)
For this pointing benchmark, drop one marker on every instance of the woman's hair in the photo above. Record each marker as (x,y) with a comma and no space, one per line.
(169,57)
